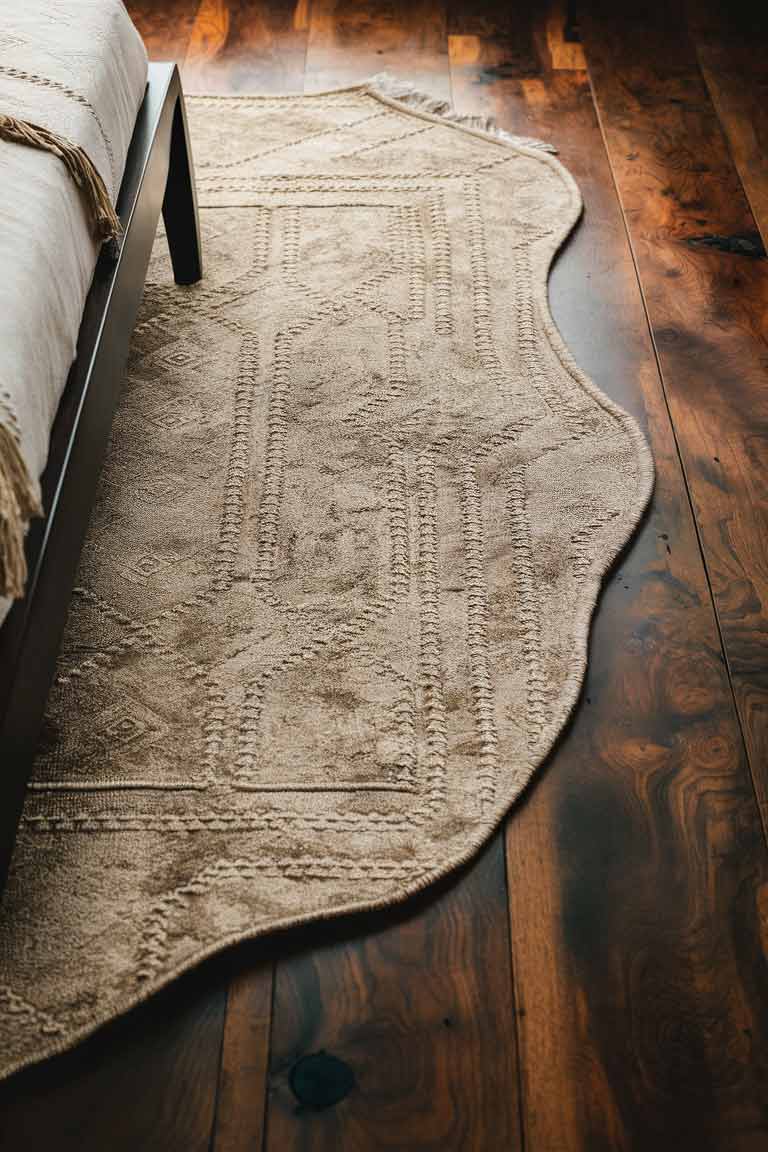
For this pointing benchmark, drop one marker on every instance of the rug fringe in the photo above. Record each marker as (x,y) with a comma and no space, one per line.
(18,503)
(101,212)
(403,93)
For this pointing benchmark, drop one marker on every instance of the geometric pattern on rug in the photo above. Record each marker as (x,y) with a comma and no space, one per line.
(334,603)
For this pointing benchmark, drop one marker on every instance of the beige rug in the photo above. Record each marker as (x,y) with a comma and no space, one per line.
(334,605)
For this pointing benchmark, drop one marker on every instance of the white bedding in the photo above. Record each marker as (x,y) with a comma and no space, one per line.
(78,68)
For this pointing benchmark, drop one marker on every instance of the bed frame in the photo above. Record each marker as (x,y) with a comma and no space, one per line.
(158,177)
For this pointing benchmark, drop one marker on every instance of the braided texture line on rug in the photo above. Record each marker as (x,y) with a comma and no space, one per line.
(334,605)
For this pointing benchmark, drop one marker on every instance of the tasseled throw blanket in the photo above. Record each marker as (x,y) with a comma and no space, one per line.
(72,77)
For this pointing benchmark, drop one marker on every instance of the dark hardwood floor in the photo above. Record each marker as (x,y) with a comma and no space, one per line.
(596,980)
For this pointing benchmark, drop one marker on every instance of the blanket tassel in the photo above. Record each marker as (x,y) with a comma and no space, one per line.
(101,212)
(18,503)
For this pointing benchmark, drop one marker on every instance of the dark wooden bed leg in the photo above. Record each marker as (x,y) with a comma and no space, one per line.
(180,204)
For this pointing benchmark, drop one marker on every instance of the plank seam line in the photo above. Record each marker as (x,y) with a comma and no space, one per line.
(219,1066)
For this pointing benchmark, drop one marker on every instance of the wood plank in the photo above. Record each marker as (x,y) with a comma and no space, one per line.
(247,46)
(232,46)
(165,28)
(416,1005)
(241,1105)
(708,310)
(350,42)
(238,46)
(419,1006)
(146,1081)
(730,47)
(637,871)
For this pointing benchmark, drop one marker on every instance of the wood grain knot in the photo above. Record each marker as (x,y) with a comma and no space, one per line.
(739,244)
(321,1080)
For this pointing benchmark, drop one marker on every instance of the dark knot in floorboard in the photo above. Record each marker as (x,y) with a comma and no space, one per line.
(321,1080)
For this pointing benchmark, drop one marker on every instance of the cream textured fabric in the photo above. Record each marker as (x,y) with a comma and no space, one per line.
(333,610)
(78,68)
